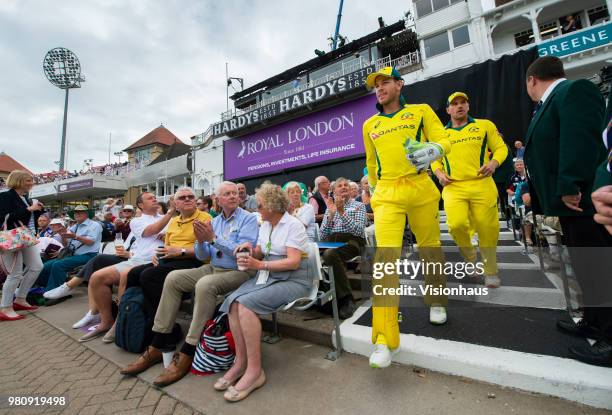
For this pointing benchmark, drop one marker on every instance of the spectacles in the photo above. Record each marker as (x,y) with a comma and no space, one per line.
(186,197)
(127,210)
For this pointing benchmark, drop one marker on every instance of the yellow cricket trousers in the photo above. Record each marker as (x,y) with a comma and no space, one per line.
(417,197)
(473,204)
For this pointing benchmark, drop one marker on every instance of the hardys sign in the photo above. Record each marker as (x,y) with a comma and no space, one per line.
(330,134)
(332,87)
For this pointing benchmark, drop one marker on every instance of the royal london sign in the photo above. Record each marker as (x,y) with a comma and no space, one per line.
(340,85)
(580,41)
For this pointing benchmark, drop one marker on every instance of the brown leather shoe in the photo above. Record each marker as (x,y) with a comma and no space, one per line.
(180,366)
(150,357)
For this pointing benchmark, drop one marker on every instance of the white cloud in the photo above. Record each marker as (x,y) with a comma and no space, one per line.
(147,62)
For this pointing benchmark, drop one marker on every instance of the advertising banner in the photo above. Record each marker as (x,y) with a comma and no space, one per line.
(330,88)
(77,185)
(315,138)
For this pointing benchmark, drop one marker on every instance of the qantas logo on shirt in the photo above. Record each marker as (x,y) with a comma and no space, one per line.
(465,139)
(374,135)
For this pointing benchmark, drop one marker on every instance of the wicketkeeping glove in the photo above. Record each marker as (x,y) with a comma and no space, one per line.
(422,154)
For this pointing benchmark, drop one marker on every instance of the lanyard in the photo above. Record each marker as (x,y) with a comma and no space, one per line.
(269,244)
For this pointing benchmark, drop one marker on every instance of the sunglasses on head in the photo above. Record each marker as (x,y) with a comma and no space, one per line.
(186,197)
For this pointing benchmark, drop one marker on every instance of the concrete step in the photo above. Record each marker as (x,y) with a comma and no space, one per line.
(546,372)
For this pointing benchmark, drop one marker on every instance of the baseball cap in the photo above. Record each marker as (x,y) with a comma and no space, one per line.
(81,208)
(387,71)
(128,207)
(57,221)
(456,95)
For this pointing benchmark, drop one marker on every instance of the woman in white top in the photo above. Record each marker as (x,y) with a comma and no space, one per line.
(282,278)
(303,211)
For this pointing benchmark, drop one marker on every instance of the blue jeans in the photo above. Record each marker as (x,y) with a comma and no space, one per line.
(54,271)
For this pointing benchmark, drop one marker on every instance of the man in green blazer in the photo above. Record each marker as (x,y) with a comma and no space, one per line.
(563,149)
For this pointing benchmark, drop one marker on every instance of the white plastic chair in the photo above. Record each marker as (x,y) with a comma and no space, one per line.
(316,296)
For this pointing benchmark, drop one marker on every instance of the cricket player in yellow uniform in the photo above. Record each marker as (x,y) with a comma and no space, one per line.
(469,193)
(400,142)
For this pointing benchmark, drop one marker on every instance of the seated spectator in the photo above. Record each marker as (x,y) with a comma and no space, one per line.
(83,241)
(43,226)
(300,209)
(354,190)
(17,210)
(517,181)
(364,198)
(247,202)
(520,150)
(122,224)
(320,195)
(58,227)
(217,242)
(145,231)
(344,221)
(177,252)
(108,228)
(282,278)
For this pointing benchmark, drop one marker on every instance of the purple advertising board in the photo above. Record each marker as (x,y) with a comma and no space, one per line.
(76,185)
(313,139)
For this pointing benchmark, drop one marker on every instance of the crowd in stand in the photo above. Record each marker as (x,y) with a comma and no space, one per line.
(113,169)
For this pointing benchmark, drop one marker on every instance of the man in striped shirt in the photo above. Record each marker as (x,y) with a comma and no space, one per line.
(344,221)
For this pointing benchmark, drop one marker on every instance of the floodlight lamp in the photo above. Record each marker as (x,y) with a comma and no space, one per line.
(62,68)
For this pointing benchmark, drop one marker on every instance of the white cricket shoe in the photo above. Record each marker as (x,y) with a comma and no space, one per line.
(87,320)
(437,315)
(380,357)
(59,292)
(492,281)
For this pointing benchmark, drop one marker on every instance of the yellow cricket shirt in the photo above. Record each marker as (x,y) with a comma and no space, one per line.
(384,137)
(180,231)
(472,146)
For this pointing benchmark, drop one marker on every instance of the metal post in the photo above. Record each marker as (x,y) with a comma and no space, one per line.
(335,353)
(63,147)
(337,25)
(110,140)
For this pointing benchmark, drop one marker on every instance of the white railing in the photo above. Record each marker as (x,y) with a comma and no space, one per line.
(410,59)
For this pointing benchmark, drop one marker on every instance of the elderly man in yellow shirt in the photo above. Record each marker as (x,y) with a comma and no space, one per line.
(470,194)
(177,252)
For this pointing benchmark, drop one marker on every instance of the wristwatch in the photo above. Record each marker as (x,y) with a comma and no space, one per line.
(183,250)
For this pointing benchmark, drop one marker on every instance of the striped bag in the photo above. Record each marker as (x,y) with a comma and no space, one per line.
(216,350)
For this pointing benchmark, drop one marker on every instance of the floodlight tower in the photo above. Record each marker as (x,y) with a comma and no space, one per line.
(62,69)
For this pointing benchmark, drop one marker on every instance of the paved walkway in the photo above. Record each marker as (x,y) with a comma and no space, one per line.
(38,359)
(40,355)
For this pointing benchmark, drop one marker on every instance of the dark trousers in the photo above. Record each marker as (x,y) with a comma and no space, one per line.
(590,249)
(151,279)
(503,199)
(336,258)
(98,262)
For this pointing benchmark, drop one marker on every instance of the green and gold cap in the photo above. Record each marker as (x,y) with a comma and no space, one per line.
(454,95)
(387,71)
